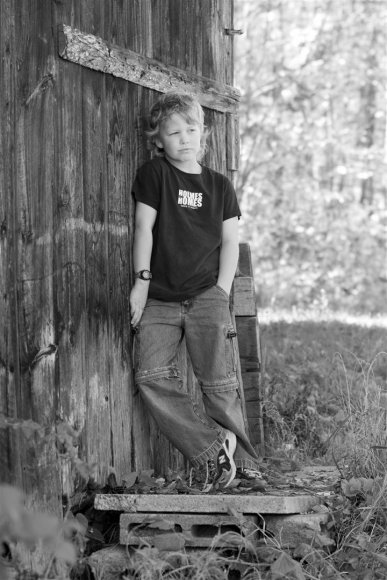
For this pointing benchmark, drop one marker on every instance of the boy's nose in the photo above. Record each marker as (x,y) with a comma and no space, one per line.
(184,138)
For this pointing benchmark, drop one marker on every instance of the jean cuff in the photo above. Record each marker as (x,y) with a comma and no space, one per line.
(247,463)
(210,452)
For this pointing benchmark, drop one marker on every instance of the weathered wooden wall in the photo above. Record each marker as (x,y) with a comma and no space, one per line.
(71,140)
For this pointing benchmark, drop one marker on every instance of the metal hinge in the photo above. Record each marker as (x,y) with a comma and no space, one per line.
(232,31)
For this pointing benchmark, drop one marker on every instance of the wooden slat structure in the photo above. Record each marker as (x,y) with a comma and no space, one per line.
(71,141)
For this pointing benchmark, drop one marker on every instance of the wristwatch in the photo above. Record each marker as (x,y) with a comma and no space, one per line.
(143,275)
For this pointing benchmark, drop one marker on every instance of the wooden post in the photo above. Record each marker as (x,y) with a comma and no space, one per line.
(245,311)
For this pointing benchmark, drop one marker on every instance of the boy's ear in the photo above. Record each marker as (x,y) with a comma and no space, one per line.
(158,143)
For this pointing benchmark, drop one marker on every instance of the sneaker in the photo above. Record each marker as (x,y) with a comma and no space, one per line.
(250,477)
(249,474)
(202,477)
(225,466)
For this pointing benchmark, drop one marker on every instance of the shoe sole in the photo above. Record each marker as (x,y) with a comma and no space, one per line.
(230,452)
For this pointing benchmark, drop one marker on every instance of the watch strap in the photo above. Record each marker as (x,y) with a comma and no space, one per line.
(143,275)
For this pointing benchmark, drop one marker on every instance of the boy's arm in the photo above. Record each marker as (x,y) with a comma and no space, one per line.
(142,250)
(229,254)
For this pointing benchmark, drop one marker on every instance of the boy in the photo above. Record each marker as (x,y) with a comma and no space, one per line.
(185,255)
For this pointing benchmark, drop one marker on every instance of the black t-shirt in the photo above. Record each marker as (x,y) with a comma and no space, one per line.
(187,233)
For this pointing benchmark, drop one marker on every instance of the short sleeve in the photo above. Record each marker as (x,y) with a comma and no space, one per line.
(146,186)
(230,205)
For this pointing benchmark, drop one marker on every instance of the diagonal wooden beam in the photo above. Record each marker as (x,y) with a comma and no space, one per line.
(94,53)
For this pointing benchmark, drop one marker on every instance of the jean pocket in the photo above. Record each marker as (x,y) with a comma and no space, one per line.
(223,292)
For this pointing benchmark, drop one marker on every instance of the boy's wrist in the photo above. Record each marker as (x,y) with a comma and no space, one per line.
(225,287)
(144,274)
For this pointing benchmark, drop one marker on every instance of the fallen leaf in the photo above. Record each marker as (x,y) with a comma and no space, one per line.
(129,479)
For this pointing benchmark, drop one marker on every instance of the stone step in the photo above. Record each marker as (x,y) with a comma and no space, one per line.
(201,503)
(174,521)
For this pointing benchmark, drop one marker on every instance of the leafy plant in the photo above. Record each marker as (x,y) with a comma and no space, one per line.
(22,531)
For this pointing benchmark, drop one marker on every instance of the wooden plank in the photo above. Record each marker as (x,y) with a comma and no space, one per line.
(9,337)
(217,503)
(95,53)
(247,329)
(139,31)
(251,386)
(243,296)
(248,338)
(69,251)
(97,266)
(249,345)
(244,264)
(254,410)
(141,450)
(216,16)
(33,192)
(118,210)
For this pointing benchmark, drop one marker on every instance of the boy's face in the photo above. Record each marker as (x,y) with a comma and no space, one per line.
(180,140)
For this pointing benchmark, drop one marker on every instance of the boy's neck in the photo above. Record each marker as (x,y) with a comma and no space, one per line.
(189,167)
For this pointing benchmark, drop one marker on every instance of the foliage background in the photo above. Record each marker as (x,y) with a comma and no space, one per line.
(312,187)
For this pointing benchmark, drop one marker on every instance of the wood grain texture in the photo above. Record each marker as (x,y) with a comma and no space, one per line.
(9,336)
(72,139)
(32,323)
(247,325)
(243,296)
(95,53)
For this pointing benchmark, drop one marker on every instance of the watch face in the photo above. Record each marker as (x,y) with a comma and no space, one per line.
(145,275)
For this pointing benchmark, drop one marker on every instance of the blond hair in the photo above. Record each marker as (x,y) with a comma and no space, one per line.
(184,104)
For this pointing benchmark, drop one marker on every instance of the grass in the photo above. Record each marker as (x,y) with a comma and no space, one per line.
(325,384)
(325,390)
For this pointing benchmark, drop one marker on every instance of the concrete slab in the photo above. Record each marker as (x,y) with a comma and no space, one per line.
(216,503)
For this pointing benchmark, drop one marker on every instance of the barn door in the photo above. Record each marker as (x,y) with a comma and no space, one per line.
(221,103)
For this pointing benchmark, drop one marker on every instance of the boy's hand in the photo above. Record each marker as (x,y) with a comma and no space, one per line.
(138,298)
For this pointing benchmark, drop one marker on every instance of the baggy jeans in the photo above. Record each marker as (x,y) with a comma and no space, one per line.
(206,323)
